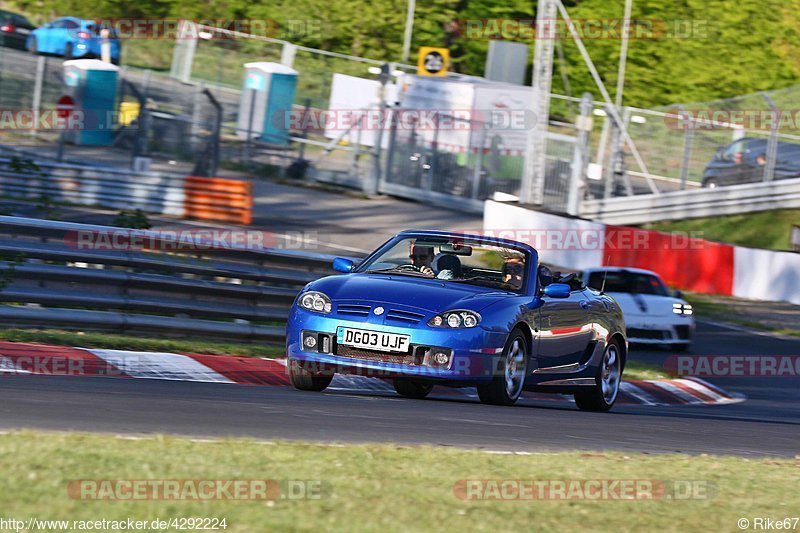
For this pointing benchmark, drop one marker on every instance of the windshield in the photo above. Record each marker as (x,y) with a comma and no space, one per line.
(453,260)
(632,282)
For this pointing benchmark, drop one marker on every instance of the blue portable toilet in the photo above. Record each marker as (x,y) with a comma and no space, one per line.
(266,103)
(93,85)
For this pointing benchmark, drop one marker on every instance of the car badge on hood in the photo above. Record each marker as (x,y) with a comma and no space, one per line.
(378,310)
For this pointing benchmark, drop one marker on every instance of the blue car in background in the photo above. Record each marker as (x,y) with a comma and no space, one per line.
(431,307)
(72,38)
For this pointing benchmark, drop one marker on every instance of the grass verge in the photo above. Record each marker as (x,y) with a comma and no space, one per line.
(764,229)
(635,370)
(713,308)
(385,487)
(128,342)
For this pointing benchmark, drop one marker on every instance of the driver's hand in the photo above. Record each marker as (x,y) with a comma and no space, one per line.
(428,271)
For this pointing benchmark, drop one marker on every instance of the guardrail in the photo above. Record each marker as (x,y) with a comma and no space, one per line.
(222,199)
(736,199)
(52,276)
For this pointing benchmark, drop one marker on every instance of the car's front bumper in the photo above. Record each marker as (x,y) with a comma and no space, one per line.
(474,351)
(650,330)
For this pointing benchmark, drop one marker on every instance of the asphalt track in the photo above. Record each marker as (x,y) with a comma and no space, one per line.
(768,423)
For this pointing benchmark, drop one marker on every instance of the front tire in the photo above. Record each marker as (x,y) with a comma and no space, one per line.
(505,389)
(603,394)
(412,389)
(303,379)
(34,47)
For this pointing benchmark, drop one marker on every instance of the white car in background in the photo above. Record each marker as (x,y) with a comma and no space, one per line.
(653,314)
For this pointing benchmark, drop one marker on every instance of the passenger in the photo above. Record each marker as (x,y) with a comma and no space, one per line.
(447,266)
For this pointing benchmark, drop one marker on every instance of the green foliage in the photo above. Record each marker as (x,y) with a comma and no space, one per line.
(729,48)
(132,219)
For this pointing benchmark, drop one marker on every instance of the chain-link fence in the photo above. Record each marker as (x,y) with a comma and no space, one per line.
(191,117)
(746,139)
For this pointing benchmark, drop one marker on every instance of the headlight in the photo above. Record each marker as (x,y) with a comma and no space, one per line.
(682,309)
(455,319)
(315,301)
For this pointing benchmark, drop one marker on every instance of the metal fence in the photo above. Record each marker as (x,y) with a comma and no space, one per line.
(191,117)
(48,278)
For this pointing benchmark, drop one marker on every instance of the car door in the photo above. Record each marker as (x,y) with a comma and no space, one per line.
(565,330)
(46,39)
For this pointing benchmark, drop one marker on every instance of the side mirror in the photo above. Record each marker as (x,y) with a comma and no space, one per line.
(678,294)
(557,290)
(720,155)
(340,264)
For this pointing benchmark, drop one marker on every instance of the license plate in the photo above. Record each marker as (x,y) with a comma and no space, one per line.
(373,340)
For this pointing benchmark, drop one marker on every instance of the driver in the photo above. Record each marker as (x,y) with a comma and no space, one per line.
(513,271)
(422,257)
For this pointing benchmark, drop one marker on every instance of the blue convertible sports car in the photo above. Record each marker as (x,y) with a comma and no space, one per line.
(434,308)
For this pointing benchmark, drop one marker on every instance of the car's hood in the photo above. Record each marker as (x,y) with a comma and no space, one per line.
(427,294)
(645,304)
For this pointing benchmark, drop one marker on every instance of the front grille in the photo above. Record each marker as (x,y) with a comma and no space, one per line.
(353,309)
(371,355)
(639,333)
(404,316)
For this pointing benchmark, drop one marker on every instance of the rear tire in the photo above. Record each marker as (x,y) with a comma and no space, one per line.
(412,389)
(506,388)
(34,48)
(68,52)
(603,394)
(303,379)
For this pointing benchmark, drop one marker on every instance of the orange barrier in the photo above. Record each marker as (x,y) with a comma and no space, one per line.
(221,199)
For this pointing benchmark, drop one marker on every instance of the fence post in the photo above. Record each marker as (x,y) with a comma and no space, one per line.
(371,185)
(356,153)
(288,52)
(432,162)
(688,138)
(183,53)
(616,170)
(772,143)
(477,171)
(387,174)
(580,158)
(37,93)
(195,125)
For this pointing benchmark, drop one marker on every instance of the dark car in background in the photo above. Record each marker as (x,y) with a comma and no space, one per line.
(743,161)
(73,38)
(14,30)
